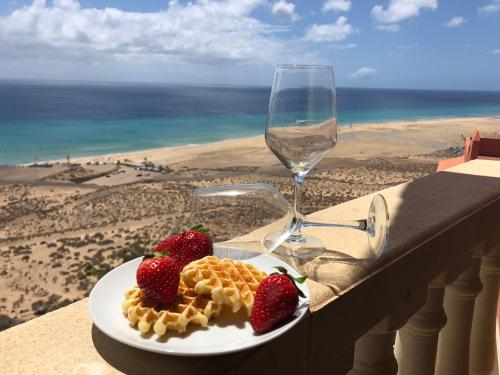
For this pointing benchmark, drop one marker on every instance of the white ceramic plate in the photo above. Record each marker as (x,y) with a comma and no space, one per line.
(225,334)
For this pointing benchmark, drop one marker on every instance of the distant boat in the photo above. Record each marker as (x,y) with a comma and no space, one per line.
(300,121)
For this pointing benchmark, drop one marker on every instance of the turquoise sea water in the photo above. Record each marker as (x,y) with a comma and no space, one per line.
(418,114)
(52,120)
(56,139)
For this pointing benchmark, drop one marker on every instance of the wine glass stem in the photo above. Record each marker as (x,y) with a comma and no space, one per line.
(353,224)
(298,181)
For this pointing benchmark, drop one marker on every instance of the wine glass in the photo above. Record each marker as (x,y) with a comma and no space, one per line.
(301,130)
(248,212)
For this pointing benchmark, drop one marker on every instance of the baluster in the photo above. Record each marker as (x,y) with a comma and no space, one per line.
(416,344)
(483,341)
(374,350)
(454,340)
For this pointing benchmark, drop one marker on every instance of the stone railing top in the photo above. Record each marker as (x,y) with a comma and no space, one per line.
(435,221)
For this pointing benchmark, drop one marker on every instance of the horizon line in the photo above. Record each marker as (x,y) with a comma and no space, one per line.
(194,84)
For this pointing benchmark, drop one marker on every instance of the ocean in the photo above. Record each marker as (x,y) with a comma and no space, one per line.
(50,120)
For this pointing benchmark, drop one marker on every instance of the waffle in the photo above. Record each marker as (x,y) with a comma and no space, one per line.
(186,308)
(229,283)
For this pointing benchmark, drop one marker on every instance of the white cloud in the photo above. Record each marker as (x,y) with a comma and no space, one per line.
(337,5)
(363,72)
(286,10)
(333,32)
(492,7)
(496,51)
(205,31)
(399,10)
(390,28)
(454,22)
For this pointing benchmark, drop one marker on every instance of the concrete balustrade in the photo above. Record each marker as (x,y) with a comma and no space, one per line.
(437,284)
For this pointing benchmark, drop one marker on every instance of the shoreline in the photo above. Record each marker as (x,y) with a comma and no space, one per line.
(177,153)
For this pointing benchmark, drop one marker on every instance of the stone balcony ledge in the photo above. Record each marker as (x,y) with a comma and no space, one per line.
(444,247)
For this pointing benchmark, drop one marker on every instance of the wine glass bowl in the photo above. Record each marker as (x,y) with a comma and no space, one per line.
(235,211)
(302,121)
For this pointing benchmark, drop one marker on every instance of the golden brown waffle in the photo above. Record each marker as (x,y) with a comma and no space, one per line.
(188,307)
(229,283)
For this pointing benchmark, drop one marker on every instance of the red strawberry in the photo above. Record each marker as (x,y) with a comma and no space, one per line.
(276,299)
(158,277)
(186,247)
(169,244)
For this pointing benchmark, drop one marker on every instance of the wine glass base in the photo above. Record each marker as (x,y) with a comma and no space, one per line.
(302,247)
(378,226)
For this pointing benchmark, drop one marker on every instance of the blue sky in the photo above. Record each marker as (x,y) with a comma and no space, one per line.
(440,44)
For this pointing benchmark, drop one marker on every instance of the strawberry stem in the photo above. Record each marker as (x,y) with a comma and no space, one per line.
(156,254)
(200,228)
(300,280)
(301,293)
(283,270)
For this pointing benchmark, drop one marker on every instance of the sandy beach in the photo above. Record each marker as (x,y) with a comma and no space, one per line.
(378,139)
(63,227)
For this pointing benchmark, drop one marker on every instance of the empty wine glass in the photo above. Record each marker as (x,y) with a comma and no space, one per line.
(301,130)
(254,211)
